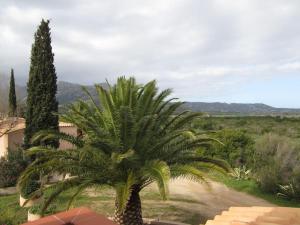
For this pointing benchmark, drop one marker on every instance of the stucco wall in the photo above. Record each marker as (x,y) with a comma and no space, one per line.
(68,130)
(3,145)
(15,139)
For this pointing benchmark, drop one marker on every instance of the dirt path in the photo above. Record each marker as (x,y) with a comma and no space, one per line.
(210,202)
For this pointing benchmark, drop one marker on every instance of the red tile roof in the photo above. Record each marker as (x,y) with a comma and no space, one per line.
(257,216)
(78,216)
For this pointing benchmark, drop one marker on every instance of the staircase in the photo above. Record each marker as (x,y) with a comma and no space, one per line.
(257,216)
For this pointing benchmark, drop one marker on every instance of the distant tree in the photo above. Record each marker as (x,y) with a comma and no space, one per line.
(12,100)
(41,87)
(237,148)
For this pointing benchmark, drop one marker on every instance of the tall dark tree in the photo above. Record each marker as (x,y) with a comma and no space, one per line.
(42,105)
(12,101)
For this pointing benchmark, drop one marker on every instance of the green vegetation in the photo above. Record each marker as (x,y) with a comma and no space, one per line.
(131,140)
(41,88)
(267,147)
(11,168)
(236,147)
(12,99)
(255,126)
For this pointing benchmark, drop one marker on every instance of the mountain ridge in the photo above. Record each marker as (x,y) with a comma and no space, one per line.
(68,92)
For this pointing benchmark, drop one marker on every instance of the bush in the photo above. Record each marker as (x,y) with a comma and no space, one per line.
(31,186)
(268,179)
(241,173)
(275,161)
(237,148)
(290,191)
(11,168)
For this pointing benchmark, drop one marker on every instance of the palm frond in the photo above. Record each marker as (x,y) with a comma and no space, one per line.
(159,172)
(45,135)
(189,172)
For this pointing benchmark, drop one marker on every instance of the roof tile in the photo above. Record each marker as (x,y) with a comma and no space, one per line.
(78,216)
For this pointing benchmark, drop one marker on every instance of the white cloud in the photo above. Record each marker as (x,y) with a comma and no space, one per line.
(212,45)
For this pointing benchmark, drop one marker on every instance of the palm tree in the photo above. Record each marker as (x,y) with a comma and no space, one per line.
(135,137)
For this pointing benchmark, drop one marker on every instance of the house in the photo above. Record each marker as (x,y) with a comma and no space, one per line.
(12,134)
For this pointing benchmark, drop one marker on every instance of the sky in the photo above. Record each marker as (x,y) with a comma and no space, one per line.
(245,51)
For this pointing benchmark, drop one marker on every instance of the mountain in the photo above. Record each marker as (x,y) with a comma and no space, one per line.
(68,92)
(238,108)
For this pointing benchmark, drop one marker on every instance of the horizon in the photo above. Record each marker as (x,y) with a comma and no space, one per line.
(222,51)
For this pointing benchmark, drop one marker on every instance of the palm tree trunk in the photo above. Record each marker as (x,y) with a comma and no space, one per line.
(132,214)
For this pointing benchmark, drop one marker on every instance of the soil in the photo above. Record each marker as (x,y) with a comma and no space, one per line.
(209,202)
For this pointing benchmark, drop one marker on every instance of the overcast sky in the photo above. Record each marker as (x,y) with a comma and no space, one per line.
(213,50)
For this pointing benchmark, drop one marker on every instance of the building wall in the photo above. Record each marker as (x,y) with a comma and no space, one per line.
(15,139)
(3,145)
(68,130)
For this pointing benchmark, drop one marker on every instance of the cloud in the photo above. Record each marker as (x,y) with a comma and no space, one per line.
(198,48)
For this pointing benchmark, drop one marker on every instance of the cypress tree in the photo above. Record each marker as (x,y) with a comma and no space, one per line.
(12,100)
(42,105)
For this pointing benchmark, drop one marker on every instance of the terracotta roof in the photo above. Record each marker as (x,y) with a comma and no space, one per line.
(78,216)
(257,216)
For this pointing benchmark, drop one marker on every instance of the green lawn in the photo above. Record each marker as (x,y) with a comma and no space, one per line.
(251,187)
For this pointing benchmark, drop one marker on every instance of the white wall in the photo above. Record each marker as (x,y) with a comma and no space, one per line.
(3,145)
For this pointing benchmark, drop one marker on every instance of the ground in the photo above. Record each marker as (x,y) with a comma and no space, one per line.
(213,200)
(189,202)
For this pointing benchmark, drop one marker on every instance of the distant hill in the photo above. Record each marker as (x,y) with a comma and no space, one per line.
(240,108)
(69,92)
(66,92)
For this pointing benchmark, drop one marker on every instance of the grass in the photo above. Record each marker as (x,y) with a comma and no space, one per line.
(102,201)
(251,187)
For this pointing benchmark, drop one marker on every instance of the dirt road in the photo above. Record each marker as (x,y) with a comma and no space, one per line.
(215,200)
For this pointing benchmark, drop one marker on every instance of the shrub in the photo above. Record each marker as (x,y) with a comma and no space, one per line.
(241,173)
(31,186)
(275,160)
(11,168)
(236,148)
(290,191)
(268,179)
